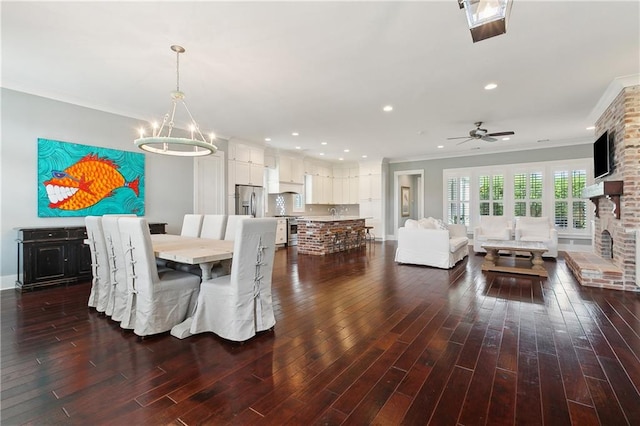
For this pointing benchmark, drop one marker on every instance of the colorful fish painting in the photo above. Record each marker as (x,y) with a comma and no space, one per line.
(83,180)
(85,183)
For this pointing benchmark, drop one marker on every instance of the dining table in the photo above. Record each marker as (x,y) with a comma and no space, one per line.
(192,250)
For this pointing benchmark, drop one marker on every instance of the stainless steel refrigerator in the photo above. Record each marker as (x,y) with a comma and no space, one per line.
(250,200)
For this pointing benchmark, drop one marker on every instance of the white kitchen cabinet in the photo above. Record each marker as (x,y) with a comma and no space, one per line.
(370,196)
(319,190)
(338,190)
(248,174)
(354,191)
(291,169)
(370,187)
(281,231)
(345,185)
(246,153)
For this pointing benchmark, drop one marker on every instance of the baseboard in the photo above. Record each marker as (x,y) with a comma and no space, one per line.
(7,282)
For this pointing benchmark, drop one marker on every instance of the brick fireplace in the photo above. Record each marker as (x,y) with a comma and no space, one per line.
(614,261)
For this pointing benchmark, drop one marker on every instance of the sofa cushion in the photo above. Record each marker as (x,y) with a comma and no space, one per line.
(456,243)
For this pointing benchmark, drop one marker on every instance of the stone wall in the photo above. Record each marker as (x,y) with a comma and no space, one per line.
(623,119)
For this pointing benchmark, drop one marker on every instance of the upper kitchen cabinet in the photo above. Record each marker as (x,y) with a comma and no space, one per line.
(246,164)
(370,181)
(246,173)
(246,153)
(291,169)
(345,185)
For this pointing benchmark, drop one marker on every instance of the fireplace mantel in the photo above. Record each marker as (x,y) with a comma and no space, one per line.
(611,189)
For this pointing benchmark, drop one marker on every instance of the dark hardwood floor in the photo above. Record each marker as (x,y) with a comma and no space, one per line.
(358,340)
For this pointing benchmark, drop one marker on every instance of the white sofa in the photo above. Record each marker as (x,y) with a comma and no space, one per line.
(490,228)
(538,229)
(432,243)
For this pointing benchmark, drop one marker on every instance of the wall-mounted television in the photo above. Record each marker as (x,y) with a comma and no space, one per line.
(602,156)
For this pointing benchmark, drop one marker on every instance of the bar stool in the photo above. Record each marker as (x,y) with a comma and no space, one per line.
(369,236)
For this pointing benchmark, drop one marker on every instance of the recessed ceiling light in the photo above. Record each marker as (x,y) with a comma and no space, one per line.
(506,139)
(591,128)
(323,143)
(387,108)
(364,156)
(322,153)
(490,86)
(297,147)
(267,139)
(295,134)
(346,150)
(341,159)
(440,146)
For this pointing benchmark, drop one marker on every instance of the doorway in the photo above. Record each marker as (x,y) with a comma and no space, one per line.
(408,197)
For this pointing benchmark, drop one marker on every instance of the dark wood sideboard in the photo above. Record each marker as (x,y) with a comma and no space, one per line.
(56,255)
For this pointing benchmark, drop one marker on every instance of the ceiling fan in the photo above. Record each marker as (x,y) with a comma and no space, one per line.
(479,133)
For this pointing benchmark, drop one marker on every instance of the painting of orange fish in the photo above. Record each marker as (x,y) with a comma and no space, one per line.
(93,181)
(85,183)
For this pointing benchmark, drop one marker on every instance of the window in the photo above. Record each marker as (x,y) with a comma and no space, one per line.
(527,190)
(298,203)
(458,200)
(491,195)
(570,211)
(552,189)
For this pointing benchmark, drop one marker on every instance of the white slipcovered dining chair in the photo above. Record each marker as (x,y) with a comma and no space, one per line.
(491,228)
(213,226)
(157,302)
(237,306)
(191,225)
(232,221)
(101,282)
(119,289)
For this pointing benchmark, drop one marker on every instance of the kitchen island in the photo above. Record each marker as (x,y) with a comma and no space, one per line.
(320,235)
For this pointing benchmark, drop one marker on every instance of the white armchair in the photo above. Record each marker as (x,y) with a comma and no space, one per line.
(538,229)
(490,228)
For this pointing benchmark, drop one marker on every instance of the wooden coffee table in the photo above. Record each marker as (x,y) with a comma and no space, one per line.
(535,248)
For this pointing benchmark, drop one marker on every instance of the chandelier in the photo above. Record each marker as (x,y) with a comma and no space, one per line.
(486,18)
(162,141)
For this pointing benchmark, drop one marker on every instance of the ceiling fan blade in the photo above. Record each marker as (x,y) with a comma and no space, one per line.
(500,134)
(489,139)
(461,137)
(468,139)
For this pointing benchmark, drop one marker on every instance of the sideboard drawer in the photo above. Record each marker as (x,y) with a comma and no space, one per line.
(45,234)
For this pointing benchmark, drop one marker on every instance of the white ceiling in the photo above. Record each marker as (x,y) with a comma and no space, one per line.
(254,70)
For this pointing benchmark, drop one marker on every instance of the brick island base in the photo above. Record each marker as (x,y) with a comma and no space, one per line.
(324,235)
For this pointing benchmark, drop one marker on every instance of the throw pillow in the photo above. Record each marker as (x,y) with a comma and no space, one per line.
(411,224)
(427,223)
(441,225)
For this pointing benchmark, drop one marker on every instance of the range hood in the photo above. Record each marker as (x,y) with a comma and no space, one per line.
(290,188)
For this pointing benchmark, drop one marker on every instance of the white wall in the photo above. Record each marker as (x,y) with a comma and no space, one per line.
(25,118)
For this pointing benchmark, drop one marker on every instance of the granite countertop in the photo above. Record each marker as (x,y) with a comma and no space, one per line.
(329,218)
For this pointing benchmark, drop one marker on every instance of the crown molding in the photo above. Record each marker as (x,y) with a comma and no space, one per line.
(615,87)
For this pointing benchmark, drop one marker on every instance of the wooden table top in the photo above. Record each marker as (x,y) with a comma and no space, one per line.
(191,250)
